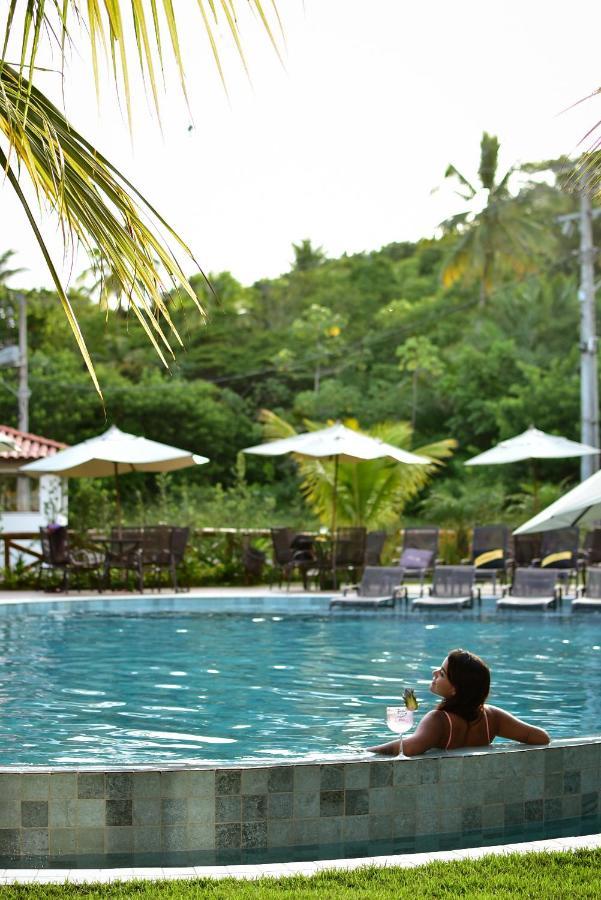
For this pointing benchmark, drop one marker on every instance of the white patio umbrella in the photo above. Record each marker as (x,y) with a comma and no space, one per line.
(580,506)
(531,444)
(338,443)
(114,453)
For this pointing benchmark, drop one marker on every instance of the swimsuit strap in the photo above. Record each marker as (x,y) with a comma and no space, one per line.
(487,728)
(450,729)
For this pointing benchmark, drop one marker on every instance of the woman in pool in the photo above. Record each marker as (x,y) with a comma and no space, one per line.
(462,719)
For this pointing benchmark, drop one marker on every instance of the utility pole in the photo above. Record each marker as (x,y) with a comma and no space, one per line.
(23,483)
(589,384)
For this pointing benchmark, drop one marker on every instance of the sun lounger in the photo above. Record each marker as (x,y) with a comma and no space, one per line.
(532,589)
(589,597)
(380,587)
(452,588)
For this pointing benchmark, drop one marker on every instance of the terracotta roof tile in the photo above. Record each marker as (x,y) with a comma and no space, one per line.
(29,446)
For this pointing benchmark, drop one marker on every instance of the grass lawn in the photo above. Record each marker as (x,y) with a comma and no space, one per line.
(535,875)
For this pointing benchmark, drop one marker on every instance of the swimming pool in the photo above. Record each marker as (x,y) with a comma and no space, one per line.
(133,684)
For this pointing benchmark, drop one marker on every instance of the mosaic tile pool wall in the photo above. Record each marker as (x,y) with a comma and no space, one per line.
(67,812)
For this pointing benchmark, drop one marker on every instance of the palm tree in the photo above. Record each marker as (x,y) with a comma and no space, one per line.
(96,205)
(498,237)
(372,493)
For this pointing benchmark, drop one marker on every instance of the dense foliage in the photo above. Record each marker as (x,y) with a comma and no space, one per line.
(375,335)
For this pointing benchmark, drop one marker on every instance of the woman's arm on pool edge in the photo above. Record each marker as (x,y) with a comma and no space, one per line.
(428,734)
(508,726)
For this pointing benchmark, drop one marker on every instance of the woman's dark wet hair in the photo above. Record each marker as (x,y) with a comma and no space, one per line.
(470,676)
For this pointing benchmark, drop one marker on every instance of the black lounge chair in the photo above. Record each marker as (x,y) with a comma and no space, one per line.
(589,597)
(58,555)
(532,589)
(349,545)
(374,544)
(490,553)
(559,551)
(452,587)
(526,548)
(418,556)
(379,586)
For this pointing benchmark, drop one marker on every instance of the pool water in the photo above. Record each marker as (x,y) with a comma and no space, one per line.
(83,687)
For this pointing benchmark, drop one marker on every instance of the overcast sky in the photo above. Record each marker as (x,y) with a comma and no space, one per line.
(344,143)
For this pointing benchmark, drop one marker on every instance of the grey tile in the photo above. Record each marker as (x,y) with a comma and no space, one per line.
(35,787)
(514,813)
(380,774)
(119,839)
(331,803)
(62,841)
(553,784)
(534,787)
(227,809)
(10,839)
(496,765)
(356,803)
(449,820)
(571,806)
(476,767)
(429,771)
(471,818)
(452,795)
(254,781)
(253,834)
(280,833)
(332,778)
(280,806)
(228,782)
(426,821)
(589,780)
(451,769)
(305,831)
(305,804)
(118,812)
(175,811)
(533,810)
(380,827)
(329,831)
(174,837)
(590,803)
(553,760)
(201,784)
(355,828)
(405,771)
(147,839)
(356,775)
(201,836)
(146,811)
(34,813)
(91,813)
(382,801)
(405,797)
(146,785)
(493,814)
(10,813)
(10,787)
(513,790)
(118,785)
(428,799)
(90,840)
(254,808)
(34,842)
(90,786)
(280,779)
(515,764)
(307,778)
(62,813)
(552,809)
(63,786)
(571,782)
(201,809)
(227,836)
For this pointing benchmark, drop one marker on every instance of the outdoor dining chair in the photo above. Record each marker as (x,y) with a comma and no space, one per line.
(532,588)
(452,588)
(58,555)
(292,550)
(379,586)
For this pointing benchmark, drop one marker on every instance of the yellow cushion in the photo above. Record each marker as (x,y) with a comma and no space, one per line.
(483,558)
(556,557)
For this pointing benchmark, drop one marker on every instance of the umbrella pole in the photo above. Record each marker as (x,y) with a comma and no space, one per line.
(118,497)
(333,530)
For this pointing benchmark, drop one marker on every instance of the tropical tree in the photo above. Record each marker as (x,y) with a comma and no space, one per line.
(495,239)
(96,205)
(372,493)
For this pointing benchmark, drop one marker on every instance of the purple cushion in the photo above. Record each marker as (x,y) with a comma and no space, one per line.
(411,558)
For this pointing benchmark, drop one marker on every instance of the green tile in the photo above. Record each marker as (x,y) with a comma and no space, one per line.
(146,785)
(118,785)
(253,835)
(174,812)
(451,769)
(227,837)
(449,821)
(552,809)
(426,821)
(10,787)
(305,831)
(590,803)
(356,803)
(10,813)
(254,781)
(514,813)
(91,813)
(201,809)
(227,809)
(429,771)
(63,786)
(405,772)
(571,806)
(119,839)
(329,830)
(515,764)
(405,796)
(553,760)
(34,842)
(380,827)
(427,799)
(228,782)
(571,782)
(513,791)
(254,808)
(90,840)
(90,786)
(200,836)
(35,787)
(534,787)
(356,775)
(280,779)
(307,778)
(553,784)
(380,774)
(118,812)
(280,833)
(147,839)
(533,810)
(34,813)
(201,784)
(305,804)
(280,806)
(332,778)
(471,818)
(10,841)
(173,786)
(496,765)
(451,794)
(62,841)
(589,780)
(382,801)
(146,811)
(62,814)
(355,828)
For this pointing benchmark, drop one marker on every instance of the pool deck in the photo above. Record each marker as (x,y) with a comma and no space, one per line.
(282,870)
